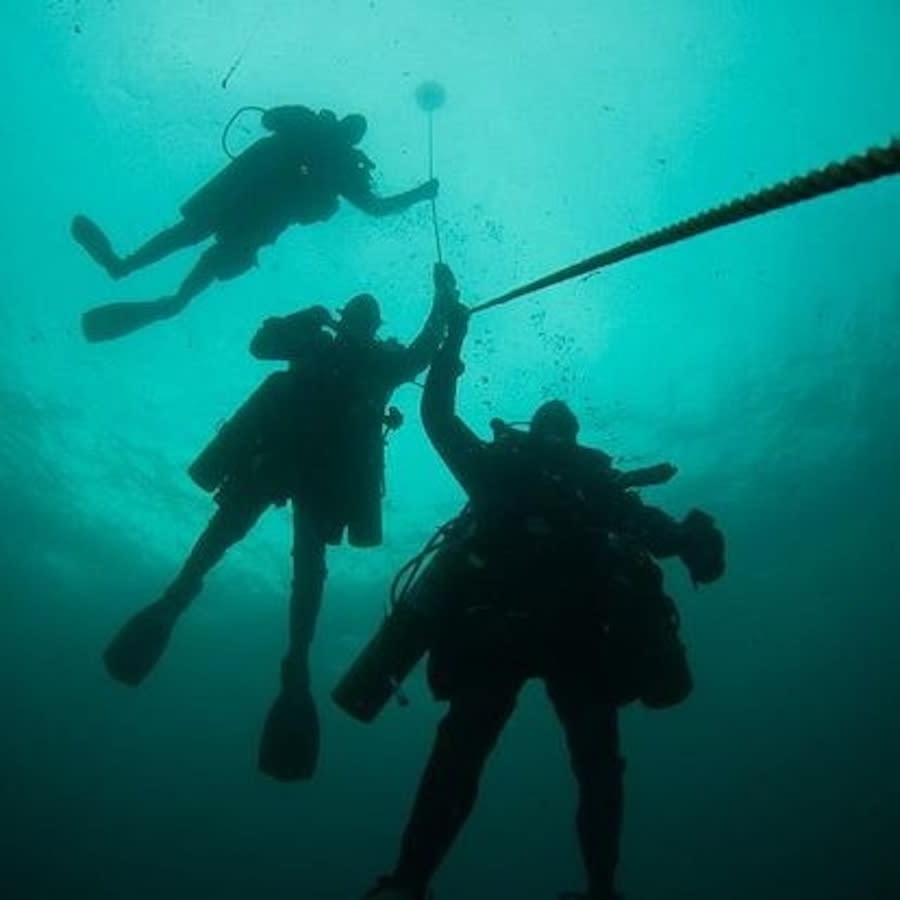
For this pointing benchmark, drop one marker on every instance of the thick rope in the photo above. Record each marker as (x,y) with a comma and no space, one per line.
(869,166)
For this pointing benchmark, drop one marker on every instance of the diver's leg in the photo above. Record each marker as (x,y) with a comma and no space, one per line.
(289,747)
(449,785)
(592,734)
(168,241)
(114,320)
(97,245)
(220,262)
(230,524)
(139,644)
(306,594)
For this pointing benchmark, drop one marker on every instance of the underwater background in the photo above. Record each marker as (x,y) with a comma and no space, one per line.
(761,359)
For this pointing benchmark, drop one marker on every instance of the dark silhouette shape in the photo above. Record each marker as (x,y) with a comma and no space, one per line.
(312,435)
(295,176)
(549,576)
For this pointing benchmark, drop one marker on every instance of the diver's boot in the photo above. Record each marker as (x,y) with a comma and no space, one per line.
(388,888)
(581,895)
(96,244)
(139,644)
(289,747)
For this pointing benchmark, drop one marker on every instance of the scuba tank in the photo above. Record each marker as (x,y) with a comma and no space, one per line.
(378,671)
(419,596)
(243,435)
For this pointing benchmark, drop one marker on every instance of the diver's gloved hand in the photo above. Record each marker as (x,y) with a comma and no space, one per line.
(444,279)
(428,190)
(702,547)
(446,295)
(444,282)
(662,472)
(457,317)
(319,316)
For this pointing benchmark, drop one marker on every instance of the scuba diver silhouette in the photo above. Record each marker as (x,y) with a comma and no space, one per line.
(548,573)
(313,435)
(294,176)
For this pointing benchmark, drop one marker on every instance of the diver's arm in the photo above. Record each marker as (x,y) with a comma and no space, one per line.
(696,540)
(457,444)
(288,337)
(652,527)
(363,198)
(410,361)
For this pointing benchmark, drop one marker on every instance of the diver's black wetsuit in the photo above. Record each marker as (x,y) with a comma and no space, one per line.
(313,435)
(545,567)
(294,176)
(323,450)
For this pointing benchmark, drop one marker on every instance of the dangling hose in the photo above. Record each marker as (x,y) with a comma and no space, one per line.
(231,121)
(408,574)
(430,96)
(873,164)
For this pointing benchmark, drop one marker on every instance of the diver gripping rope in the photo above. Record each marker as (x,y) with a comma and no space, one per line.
(875,163)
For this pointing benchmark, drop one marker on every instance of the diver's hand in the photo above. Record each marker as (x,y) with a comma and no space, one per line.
(664,472)
(444,282)
(702,547)
(321,317)
(428,190)
(446,294)
(457,320)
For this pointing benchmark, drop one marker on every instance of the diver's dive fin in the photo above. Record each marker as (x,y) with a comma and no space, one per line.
(289,749)
(135,650)
(96,244)
(114,320)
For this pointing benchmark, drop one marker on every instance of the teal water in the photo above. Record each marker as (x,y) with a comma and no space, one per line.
(762,360)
